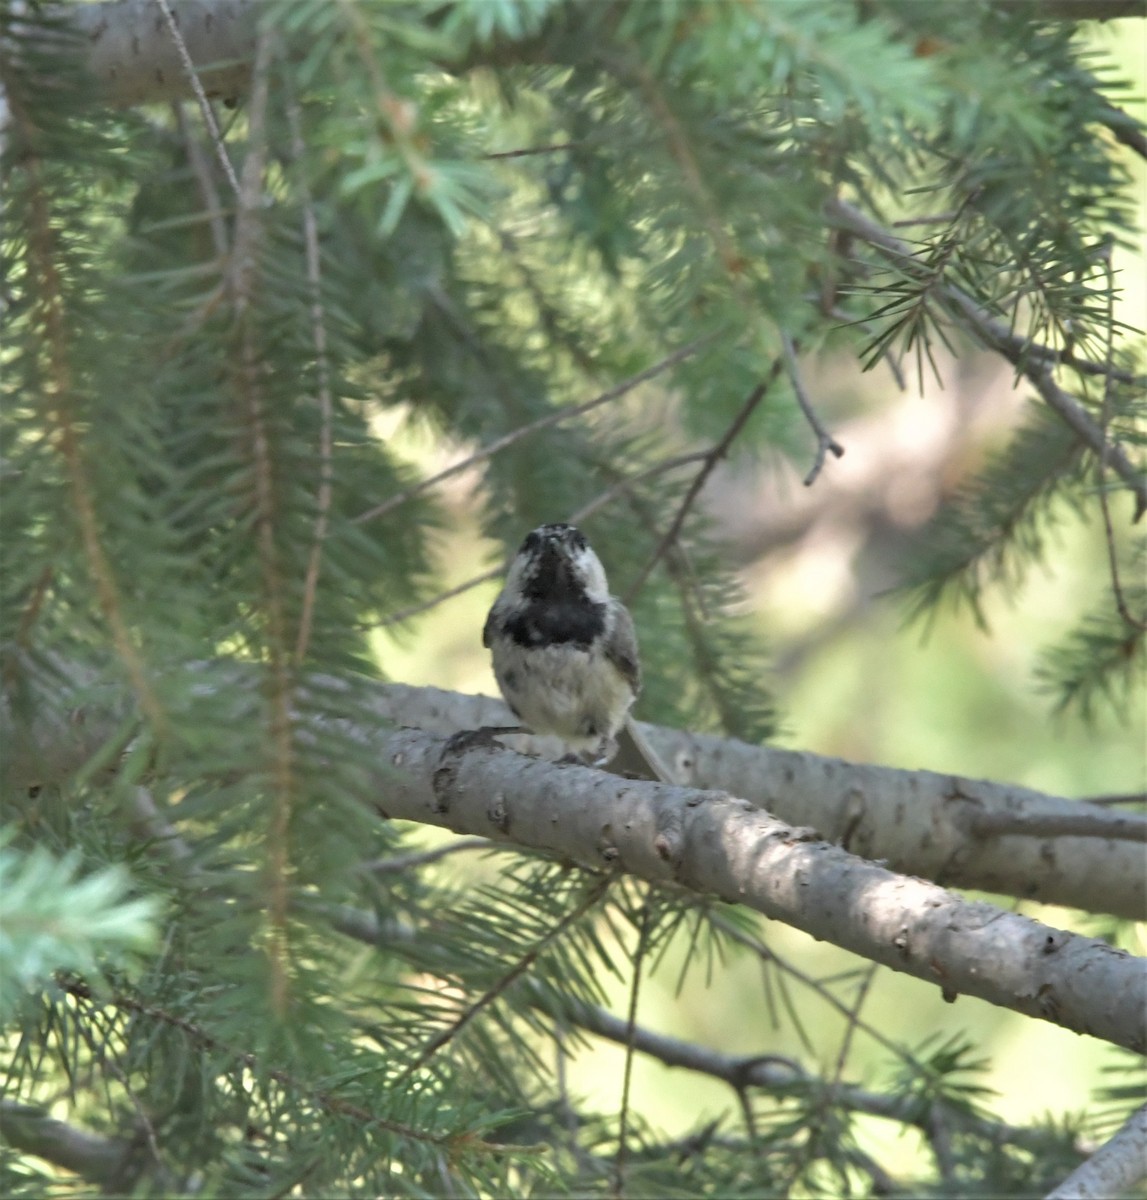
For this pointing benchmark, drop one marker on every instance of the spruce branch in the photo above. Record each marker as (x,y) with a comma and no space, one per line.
(824,440)
(915,821)
(1136,623)
(325,1100)
(247,374)
(775,1074)
(527,960)
(60,400)
(714,844)
(1115,1169)
(552,418)
(995,336)
(322,365)
(708,465)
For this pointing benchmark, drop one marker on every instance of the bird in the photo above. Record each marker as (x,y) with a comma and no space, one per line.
(564,649)
(565,656)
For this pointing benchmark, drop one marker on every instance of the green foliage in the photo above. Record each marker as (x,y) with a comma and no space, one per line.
(54,919)
(995,527)
(1103,658)
(460,220)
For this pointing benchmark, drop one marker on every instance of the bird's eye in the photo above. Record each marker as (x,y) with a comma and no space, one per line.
(532,543)
(577,539)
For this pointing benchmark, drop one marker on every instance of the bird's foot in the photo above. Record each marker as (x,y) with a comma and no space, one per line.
(469,739)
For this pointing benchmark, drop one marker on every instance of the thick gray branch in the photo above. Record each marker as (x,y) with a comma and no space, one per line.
(917,822)
(97,1159)
(130,55)
(1114,1169)
(714,844)
(1078,10)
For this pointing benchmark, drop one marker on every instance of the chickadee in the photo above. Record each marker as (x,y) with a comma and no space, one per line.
(564,649)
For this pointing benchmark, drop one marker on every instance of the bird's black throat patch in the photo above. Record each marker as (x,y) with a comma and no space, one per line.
(557,622)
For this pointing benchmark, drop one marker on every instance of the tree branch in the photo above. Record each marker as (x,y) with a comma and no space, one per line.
(130,54)
(1114,1169)
(714,844)
(918,822)
(1098,824)
(824,440)
(99,1160)
(997,337)
(708,465)
(1078,10)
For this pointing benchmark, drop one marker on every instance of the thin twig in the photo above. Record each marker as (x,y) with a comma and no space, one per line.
(779,1075)
(1139,798)
(329,1103)
(575,518)
(553,418)
(851,1025)
(824,440)
(404,614)
(768,955)
(1016,350)
(630,1033)
(623,485)
(200,96)
(491,994)
(935,219)
(407,862)
(326,407)
(1101,467)
(1124,132)
(201,168)
(708,465)
(525,151)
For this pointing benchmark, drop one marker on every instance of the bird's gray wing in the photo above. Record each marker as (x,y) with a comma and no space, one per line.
(488,629)
(621,645)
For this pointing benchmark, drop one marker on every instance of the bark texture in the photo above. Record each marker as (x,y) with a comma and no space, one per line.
(130,55)
(918,822)
(915,822)
(715,844)
(1114,1169)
